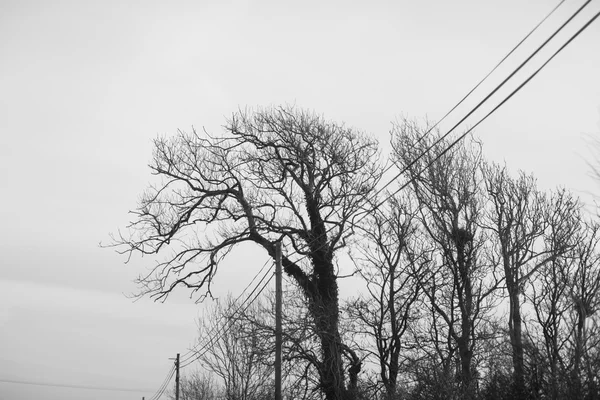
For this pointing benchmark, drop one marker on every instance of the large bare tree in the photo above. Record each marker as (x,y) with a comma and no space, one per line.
(278,174)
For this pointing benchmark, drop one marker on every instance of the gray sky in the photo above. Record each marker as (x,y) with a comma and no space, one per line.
(85,86)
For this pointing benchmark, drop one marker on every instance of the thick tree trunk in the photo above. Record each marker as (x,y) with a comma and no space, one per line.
(324,308)
(516,339)
(392,381)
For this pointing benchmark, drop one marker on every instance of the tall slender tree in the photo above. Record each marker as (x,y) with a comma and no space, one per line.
(277,174)
(516,220)
(447,185)
(391,258)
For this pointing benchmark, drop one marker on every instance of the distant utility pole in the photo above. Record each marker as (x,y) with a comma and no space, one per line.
(278,333)
(177,377)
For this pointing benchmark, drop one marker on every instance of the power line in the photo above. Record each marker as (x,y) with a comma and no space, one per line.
(224,328)
(191,353)
(535,28)
(439,140)
(164,385)
(485,99)
(499,63)
(590,21)
(99,388)
(70,386)
(221,329)
(217,329)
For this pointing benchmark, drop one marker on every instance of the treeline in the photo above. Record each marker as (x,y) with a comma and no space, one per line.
(479,286)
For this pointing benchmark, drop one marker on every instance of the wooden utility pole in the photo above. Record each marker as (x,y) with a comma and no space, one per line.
(278,333)
(177,377)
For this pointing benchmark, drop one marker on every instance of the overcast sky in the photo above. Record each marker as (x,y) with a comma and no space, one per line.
(85,86)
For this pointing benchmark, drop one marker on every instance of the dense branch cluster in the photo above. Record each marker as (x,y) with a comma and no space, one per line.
(494,306)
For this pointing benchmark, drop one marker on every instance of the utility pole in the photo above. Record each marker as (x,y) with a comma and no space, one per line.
(278,333)
(177,377)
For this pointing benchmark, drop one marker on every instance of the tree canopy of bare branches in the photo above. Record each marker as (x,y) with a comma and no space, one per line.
(277,174)
(391,258)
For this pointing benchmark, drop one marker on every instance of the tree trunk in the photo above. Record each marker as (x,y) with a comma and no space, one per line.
(332,373)
(516,339)
(466,374)
(391,387)
(465,303)
(324,308)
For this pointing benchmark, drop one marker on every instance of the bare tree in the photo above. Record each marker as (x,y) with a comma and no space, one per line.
(241,348)
(391,257)
(549,300)
(549,291)
(235,352)
(277,174)
(585,294)
(565,296)
(197,387)
(516,218)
